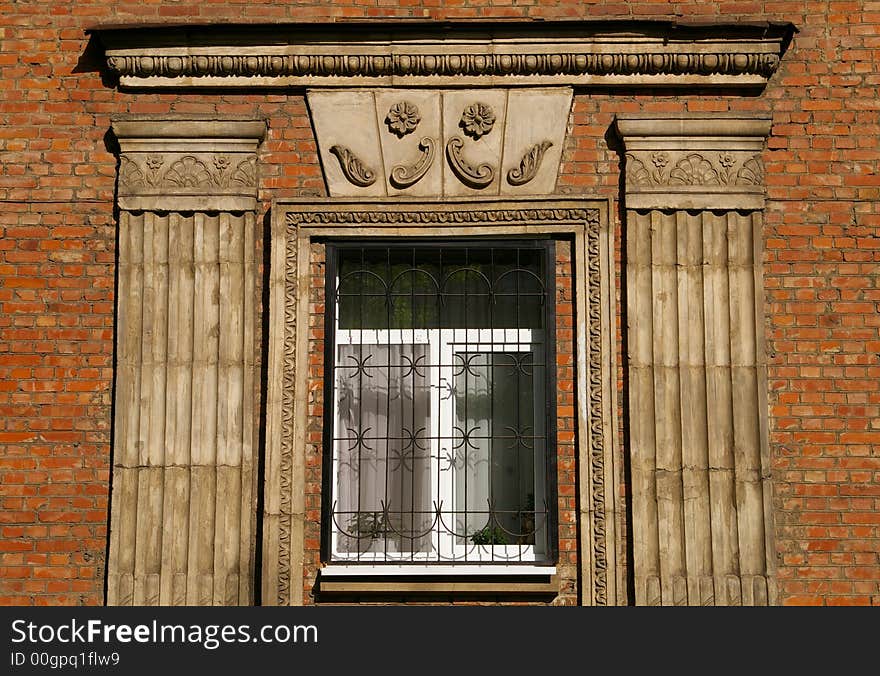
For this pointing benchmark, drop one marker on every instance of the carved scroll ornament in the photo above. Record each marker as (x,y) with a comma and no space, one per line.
(529,164)
(353,168)
(477,177)
(403,176)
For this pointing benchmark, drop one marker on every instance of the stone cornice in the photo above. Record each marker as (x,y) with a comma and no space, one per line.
(708,161)
(647,54)
(187,164)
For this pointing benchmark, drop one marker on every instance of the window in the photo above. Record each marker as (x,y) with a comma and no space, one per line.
(439,378)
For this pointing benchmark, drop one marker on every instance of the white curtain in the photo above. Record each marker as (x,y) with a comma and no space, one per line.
(382,449)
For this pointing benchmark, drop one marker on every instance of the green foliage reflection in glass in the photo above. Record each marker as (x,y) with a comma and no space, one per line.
(425,288)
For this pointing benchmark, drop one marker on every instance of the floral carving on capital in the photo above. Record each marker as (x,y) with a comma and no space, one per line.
(726,169)
(199,172)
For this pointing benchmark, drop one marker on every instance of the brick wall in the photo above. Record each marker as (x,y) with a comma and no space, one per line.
(57,241)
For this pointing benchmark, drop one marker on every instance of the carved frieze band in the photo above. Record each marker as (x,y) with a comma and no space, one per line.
(715,168)
(469,142)
(214,172)
(229,64)
(441,217)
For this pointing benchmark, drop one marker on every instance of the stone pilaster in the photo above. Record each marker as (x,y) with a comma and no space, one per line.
(696,360)
(183,505)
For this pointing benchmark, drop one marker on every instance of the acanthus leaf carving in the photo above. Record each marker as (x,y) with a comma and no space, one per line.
(403,176)
(354,169)
(477,177)
(529,164)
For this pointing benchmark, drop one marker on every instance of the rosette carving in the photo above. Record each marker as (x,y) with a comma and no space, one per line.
(403,118)
(477,120)
(529,164)
(403,176)
(353,168)
(477,177)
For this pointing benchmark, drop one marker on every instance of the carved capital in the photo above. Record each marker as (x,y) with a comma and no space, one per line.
(187,165)
(694,162)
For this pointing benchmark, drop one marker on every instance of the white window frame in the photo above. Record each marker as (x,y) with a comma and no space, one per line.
(443,344)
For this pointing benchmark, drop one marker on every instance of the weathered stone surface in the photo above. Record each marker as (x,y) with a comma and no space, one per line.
(493,55)
(431,143)
(694,161)
(181,529)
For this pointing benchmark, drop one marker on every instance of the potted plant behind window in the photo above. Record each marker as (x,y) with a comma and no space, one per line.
(374,532)
(489,535)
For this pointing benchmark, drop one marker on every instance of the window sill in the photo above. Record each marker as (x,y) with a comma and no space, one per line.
(468,580)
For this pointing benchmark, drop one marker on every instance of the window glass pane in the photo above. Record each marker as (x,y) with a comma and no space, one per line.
(381,449)
(431,287)
(495,459)
(439,433)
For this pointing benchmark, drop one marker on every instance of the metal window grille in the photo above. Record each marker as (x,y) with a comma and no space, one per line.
(440,402)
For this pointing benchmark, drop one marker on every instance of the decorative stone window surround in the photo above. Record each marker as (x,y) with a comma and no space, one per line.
(200,175)
(294,224)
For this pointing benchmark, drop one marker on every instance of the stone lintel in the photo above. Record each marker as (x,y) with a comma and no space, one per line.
(583,53)
(685,161)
